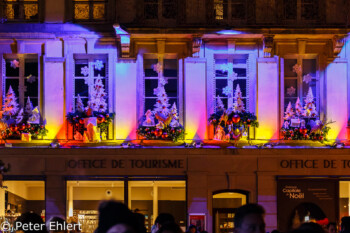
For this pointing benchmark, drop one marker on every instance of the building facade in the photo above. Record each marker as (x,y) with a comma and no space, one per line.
(276,51)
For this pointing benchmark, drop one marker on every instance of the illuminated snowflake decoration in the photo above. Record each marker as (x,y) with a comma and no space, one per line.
(227,91)
(307,78)
(14,64)
(85,71)
(234,76)
(291,91)
(98,65)
(158,68)
(297,69)
(31,78)
(162,81)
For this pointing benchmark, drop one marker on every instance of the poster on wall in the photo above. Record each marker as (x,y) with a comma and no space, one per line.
(306,200)
(198,220)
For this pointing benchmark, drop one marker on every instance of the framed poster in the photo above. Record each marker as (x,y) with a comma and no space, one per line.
(198,220)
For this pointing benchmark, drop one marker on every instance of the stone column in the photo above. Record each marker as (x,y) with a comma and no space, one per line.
(55,196)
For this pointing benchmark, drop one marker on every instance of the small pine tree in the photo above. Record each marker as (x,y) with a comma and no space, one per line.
(289,112)
(298,108)
(79,107)
(97,100)
(310,108)
(162,102)
(29,107)
(219,104)
(238,105)
(10,107)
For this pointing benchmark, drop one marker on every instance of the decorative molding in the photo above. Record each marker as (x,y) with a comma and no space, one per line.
(196,45)
(124,37)
(268,45)
(301,46)
(54,59)
(338,44)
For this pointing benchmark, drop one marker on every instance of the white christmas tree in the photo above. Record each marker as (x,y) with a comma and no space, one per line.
(289,112)
(162,105)
(11,106)
(219,104)
(310,108)
(97,101)
(298,108)
(238,105)
(79,107)
(29,107)
(175,117)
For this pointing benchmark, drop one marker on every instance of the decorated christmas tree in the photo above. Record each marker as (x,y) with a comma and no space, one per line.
(10,107)
(238,105)
(310,108)
(97,100)
(29,107)
(219,104)
(289,112)
(298,108)
(162,104)
(79,105)
(175,117)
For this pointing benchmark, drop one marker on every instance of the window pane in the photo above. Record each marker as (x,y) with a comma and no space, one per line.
(31,11)
(150,85)
(290,88)
(14,83)
(172,101)
(100,68)
(220,84)
(32,87)
(290,9)
(171,88)
(11,69)
(31,67)
(288,67)
(151,9)
(221,68)
(169,9)
(241,72)
(170,67)
(81,11)
(79,64)
(99,11)
(309,67)
(238,9)
(148,67)
(149,104)
(81,88)
(309,9)
(242,84)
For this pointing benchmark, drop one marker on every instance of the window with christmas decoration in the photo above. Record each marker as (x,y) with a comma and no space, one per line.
(90,10)
(22,10)
(90,117)
(161,100)
(301,110)
(20,118)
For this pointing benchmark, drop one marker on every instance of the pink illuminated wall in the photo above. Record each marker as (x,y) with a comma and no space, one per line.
(195,105)
(267,103)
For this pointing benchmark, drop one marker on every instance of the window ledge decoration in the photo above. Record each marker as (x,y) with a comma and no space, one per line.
(16,123)
(302,123)
(233,123)
(161,123)
(91,123)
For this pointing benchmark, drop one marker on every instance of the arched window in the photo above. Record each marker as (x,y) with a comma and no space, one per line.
(225,203)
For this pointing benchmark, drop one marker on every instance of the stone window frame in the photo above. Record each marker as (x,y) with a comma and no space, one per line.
(22,98)
(40,6)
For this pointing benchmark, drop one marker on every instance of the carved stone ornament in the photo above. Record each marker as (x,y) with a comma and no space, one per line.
(196,45)
(338,44)
(268,45)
